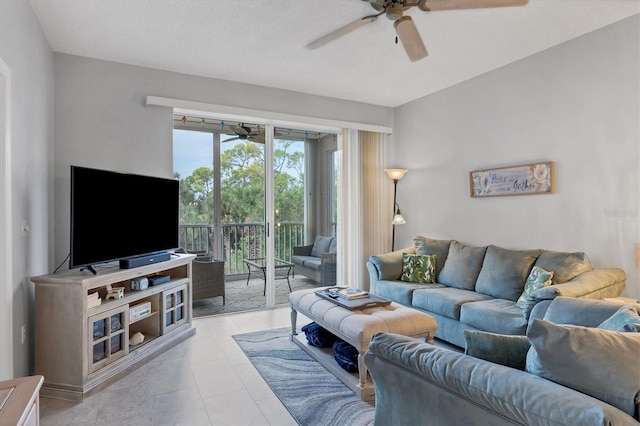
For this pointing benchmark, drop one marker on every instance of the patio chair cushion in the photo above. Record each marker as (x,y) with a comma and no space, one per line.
(307,261)
(321,245)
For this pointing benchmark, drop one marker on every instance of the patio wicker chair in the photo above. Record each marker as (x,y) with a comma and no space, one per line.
(208,278)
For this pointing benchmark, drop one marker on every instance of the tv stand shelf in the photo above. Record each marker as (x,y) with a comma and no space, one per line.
(80,349)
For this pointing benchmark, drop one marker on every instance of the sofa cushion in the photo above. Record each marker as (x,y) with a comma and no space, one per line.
(537,279)
(510,351)
(600,363)
(401,292)
(299,260)
(321,245)
(564,266)
(440,248)
(504,272)
(312,263)
(333,247)
(445,301)
(495,315)
(624,319)
(462,266)
(418,268)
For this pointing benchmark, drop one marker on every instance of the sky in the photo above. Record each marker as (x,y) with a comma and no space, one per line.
(193,149)
(190,151)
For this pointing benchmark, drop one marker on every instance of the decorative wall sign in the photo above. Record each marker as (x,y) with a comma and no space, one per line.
(536,178)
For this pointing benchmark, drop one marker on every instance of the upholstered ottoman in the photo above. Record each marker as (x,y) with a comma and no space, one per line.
(355,327)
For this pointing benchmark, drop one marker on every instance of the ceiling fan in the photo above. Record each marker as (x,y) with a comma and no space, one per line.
(247,133)
(406,30)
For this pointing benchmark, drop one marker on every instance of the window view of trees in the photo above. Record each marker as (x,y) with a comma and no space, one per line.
(242,186)
(242,191)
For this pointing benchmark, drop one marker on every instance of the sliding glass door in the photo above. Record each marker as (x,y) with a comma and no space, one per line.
(250,193)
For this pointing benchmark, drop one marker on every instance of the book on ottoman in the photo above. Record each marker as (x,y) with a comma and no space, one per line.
(369,301)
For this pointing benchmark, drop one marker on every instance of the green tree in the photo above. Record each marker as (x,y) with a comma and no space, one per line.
(196,197)
(242,171)
(288,188)
(242,183)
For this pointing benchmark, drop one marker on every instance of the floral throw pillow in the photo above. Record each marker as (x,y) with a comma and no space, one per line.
(537,279)
(418,268)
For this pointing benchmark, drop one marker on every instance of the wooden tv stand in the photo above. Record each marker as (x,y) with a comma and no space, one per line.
(80,349)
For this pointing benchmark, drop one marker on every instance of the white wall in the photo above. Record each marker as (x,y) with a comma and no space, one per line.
(102,121)
(576,104)
(25,50)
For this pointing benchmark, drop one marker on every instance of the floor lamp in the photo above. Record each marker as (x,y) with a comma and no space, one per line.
(395,175)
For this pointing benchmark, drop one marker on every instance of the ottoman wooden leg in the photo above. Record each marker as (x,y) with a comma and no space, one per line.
(362,368)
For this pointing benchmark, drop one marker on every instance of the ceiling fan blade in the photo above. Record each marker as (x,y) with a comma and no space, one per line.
(231,139)
(428,5)
(342,31)
(410,38)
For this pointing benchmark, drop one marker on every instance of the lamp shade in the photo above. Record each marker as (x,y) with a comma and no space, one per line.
(398,219)
(395,174)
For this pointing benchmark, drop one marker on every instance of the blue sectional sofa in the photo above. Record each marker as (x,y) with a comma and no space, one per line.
(584,375)
(476,288)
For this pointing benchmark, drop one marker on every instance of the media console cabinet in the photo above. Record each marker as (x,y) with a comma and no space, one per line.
(81,348)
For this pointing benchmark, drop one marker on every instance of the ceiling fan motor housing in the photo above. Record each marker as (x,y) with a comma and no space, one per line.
(394,11)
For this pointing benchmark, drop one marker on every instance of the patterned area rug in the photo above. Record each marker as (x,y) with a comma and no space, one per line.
(243,297)
(312,394)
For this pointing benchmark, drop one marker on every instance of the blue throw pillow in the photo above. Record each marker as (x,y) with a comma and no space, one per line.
(624,319)
(439,248)
(462,266)
(318,336)
(321,245)
(601,363)
(502,349)
(346,356)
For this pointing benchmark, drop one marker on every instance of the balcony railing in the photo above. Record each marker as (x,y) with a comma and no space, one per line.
(242,241)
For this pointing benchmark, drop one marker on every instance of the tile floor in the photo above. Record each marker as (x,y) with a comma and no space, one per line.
(205,380)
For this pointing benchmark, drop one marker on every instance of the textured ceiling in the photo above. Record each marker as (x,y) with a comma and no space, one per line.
(262,41)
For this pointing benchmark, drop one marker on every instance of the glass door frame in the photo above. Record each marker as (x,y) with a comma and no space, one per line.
(269,213)
(269,175)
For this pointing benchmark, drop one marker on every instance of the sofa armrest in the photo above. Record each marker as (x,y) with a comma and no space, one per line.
(328,269)
(580,311)
(416,383)
(595,284)
(303,250)
(328,258)
(388,266)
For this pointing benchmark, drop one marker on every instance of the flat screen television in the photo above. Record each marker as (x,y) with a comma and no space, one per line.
(117,216)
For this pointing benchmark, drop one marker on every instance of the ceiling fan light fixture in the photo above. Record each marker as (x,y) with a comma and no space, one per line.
(394,11)
(410,38)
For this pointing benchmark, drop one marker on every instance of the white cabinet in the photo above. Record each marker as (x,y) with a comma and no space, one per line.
(80,348)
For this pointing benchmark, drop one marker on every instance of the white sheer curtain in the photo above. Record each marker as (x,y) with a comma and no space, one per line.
(364,204)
